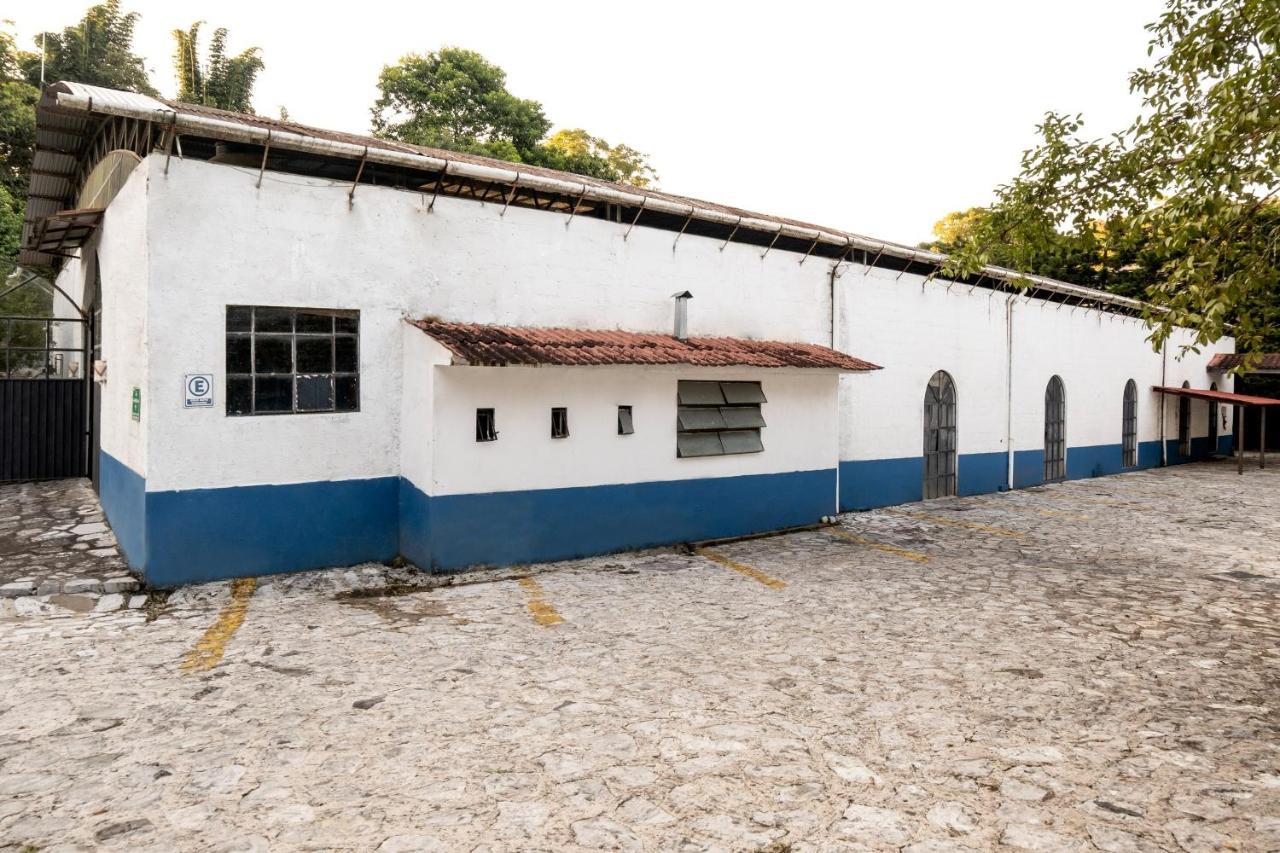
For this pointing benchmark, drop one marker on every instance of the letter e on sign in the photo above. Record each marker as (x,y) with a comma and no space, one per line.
(198,391)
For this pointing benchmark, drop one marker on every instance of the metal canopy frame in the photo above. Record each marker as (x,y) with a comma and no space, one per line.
(1239,402)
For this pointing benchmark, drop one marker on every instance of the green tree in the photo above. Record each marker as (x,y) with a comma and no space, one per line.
(17,122)
(97,51)
(457,100)
(10,226)
(1190,186)
(220,80)
(589,155)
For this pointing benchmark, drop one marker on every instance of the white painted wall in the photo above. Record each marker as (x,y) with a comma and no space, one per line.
(121,249)
(215,239)
(801,434)
(913,328)
(913,331)
(417,420)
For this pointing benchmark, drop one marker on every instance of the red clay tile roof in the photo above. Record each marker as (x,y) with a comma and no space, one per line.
(1228,360)
(497,346)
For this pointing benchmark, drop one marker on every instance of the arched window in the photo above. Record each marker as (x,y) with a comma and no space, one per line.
(1055,431)
(940,436)
(1213,422)
(1184,424)
(1129,429)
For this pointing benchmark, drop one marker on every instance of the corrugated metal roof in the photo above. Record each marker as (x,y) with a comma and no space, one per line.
(64,104)
(502,346)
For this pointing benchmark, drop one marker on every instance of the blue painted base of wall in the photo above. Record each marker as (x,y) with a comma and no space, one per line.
(867,484)
(208,534)
(180,537)
(197,535)
(447,532)
(123,494)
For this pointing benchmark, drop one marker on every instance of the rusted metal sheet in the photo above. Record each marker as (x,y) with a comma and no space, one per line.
(497,346)
(1217,396)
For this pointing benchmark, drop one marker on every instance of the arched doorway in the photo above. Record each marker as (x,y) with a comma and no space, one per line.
(1055,431)
(1184,424)
(1129,428)
(940,436)
(1213,422)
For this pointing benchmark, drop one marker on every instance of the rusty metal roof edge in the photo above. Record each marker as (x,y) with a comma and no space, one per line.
(69,97)
(1217,396)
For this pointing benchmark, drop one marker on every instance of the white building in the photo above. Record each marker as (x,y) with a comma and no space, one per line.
(281,265)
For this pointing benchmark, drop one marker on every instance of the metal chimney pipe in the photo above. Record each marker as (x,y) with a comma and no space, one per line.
(682,314)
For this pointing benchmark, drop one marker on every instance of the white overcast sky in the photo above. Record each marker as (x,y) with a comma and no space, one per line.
(873,117)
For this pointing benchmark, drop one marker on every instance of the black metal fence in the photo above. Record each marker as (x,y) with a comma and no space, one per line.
(43,429)
(44,398)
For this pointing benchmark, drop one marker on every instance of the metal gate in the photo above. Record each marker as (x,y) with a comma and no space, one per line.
(44,399)
(1055,431)
(940,436)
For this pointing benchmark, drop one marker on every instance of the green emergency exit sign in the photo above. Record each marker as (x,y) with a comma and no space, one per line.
(136,410)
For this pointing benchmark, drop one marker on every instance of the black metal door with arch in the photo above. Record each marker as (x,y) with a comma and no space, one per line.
(1055,431)
(940,436)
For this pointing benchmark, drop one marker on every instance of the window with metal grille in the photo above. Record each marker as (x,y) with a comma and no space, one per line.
(1055,431)
(625,425)
(292,360)
(718,418)
(1129,427)
(940,436)
(559,423)
(486,425)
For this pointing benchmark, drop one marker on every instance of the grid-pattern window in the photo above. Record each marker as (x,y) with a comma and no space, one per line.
(718,418)
(1129,427)
(625,425)
(41,348)
(1055,431)
(559,423)
(940,436)
(292,360)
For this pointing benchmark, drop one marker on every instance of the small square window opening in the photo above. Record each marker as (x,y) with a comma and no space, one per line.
(625,426)
(559,423)
(486,426)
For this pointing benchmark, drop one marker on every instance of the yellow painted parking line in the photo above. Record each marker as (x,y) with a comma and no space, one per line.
(955,522)
(208,651)
(879,546)
(543,612)
(742,569)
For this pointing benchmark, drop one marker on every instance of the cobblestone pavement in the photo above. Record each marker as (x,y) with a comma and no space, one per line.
(54,540)
(1091,665)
